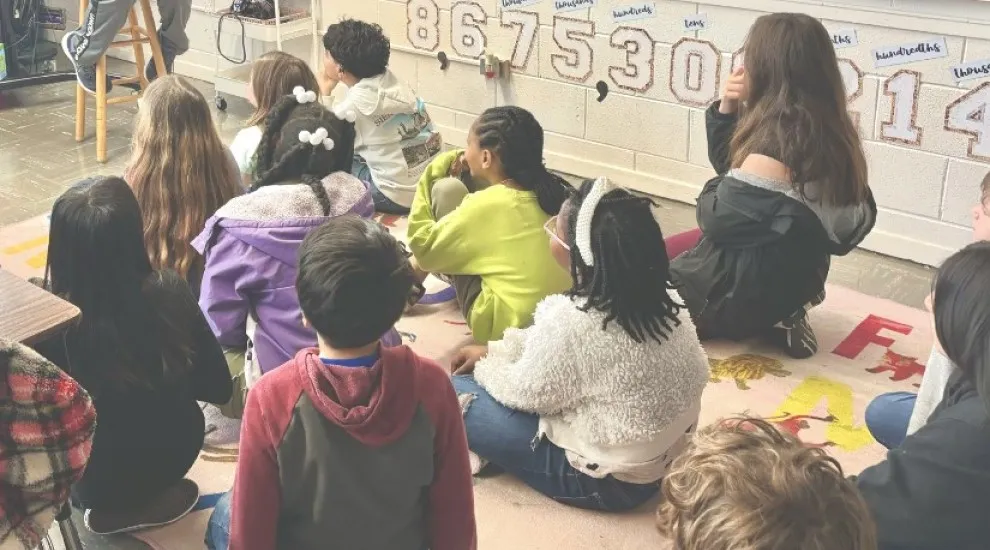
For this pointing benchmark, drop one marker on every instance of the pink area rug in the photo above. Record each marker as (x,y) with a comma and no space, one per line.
(868,346)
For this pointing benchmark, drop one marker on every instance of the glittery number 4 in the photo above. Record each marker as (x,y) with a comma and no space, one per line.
(423,24)
(968,115)
(466,36)
(637,74)
(573,37)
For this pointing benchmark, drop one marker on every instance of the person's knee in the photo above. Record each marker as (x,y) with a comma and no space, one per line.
(446,195)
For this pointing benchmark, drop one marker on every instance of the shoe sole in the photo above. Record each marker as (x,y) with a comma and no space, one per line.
(142,526)
(72,59)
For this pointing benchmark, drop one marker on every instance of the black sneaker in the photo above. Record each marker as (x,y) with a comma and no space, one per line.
(168,55)
(86,76)
(796,336)
(169,507)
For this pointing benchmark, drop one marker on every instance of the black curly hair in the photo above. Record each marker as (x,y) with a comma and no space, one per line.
(517,137)
(282,158)
(631,275)
(360,48)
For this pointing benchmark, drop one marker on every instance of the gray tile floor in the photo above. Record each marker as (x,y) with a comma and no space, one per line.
(39,159)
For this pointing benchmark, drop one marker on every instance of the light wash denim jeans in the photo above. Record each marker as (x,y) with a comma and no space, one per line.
(218,530)
(504,437)
(887,417)
(383,204)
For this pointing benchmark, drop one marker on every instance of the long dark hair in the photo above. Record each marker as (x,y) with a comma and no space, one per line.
(796,110)
(283,158)
(97,261)
(631,275)
(961,301)
(516,136)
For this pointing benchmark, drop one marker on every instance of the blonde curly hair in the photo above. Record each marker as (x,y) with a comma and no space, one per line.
(743,485)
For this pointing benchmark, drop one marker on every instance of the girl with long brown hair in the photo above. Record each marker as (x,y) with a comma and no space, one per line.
(273,76)
(791,190)
(181,173)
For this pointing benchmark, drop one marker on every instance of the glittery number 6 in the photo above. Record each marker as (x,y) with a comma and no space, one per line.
(466,36)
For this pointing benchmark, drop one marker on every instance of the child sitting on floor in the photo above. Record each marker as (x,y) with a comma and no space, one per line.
(487,234)
(791,191)
(591,403)
(351,445)
(742,484)
(273,76)
(396,139)
(142,350)
(252,243)
(180,172)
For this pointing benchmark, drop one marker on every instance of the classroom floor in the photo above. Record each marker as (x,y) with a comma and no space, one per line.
(39,159)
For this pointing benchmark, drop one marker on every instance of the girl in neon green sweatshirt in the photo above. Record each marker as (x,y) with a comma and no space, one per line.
(489,236)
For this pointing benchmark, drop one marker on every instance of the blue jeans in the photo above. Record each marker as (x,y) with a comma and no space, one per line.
(888,415)
(505,437)
(383,204)
(218,530)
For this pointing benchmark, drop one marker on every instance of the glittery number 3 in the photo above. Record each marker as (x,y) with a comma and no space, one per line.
(423,24)
(637,74)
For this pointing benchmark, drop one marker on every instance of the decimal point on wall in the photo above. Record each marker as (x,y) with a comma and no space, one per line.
(602,87)
(444,60)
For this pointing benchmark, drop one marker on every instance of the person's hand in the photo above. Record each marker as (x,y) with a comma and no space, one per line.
(466,358)
(734,92)
(458,166)
(326,81)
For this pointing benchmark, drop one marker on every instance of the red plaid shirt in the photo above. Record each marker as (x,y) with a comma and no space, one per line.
(46,432)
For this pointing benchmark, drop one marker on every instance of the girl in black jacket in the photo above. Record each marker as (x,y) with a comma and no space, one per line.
(142,349)
(791,191)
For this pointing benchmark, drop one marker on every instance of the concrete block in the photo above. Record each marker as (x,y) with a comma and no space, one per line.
(559,107)
(906,180)
(642,125)
(962,191)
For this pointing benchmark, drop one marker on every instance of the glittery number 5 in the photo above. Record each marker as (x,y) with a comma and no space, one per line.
(423,24)
(637,74)
(573,37)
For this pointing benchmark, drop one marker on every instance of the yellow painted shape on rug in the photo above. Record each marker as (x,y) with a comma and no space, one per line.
(839,398)
(26,245)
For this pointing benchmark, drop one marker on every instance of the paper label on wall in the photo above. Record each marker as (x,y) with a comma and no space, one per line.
(932,48)
(971,70)
(844,38)
(632,12)
(573,5)
(696,22)
(515,4)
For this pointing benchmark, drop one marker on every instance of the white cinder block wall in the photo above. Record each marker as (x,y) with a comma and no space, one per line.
(649,132)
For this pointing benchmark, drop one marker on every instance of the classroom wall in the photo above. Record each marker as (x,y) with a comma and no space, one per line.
(925,136)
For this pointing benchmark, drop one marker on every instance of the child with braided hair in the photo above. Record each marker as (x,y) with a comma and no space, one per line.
(251,244)
(591,404)
(487,234)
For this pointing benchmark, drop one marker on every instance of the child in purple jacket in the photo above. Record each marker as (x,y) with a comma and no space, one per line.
(251,244)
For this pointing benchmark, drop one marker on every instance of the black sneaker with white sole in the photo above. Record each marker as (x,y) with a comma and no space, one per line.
(85,75)
(796,337)
(168,55)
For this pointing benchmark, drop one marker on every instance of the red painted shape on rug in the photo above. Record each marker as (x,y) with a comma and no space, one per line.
(794,424)
(868,332)
(388,220)
(902,366)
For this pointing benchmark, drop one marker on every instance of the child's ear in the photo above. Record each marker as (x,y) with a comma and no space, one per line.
(486,159)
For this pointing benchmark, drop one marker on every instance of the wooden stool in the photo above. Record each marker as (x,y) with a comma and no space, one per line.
(139,36)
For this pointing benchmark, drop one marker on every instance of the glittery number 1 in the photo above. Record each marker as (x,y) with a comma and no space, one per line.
(968,115)
(637,74)
(901,125)
(423,24)
(466,36)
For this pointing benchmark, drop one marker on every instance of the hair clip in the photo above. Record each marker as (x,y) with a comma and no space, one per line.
(586,214)
(304,96)
(345,114)
(320,136)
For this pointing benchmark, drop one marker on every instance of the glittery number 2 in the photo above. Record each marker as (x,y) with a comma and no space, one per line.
(637,74)
(852,80)
(573,37)
(968,115)
(423,25)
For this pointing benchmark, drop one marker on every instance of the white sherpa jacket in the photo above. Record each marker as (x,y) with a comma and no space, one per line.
(615,406)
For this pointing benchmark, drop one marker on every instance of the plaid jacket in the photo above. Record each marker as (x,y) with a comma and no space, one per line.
(46,432)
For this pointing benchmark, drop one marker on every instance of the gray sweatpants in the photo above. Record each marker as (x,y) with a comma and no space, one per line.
(105,18)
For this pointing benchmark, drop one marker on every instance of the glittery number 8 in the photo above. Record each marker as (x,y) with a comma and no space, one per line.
(423,24)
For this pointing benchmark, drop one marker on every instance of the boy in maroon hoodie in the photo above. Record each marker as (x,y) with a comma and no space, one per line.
(351,446)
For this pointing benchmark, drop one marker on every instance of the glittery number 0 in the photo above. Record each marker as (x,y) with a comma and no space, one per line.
(423,24)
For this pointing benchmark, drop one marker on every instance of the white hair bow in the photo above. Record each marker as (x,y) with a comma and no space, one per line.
(345,113)
(316,138)
(582,229)
(304,96)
